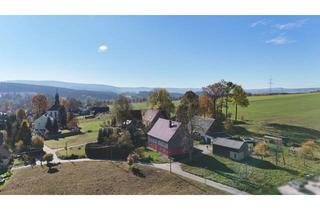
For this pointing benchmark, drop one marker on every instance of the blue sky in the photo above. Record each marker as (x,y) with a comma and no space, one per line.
(162,51)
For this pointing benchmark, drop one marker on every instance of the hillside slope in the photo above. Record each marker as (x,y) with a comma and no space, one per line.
(296,115)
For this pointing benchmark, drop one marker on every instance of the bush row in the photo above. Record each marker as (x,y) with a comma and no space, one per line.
(102,151)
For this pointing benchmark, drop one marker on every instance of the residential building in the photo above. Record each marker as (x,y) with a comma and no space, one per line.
(170,138)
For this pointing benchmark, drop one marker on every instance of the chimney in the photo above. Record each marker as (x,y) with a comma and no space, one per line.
(170,124)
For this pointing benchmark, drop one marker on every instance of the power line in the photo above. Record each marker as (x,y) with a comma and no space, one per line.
(270,85)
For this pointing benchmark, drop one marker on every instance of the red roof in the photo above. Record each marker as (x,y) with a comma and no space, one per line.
(161,129)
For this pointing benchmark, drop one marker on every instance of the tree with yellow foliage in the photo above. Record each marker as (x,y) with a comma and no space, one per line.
(307,149)
(261,149)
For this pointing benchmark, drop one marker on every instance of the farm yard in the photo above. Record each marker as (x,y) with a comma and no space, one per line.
(101,177)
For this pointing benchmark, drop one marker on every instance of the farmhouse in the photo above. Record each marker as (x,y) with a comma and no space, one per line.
(169,138)
(230,148)
(150,117)
(204,127)
(52,113)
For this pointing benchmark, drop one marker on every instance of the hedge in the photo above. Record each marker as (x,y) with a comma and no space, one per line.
(102,151)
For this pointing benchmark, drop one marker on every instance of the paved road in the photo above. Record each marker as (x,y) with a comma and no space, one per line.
(176,168)
(56,159)
(205,148)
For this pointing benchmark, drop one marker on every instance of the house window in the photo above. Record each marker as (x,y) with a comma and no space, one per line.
(235,155)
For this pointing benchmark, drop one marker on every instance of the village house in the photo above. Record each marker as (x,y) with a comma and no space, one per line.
(150,117)
(230,148)
(169,137)
(205,128)
(52,113)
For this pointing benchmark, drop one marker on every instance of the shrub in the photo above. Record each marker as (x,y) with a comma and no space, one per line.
(103,151)
(140,152)
(37,142)
(48,158)
(228,124)
(19,146)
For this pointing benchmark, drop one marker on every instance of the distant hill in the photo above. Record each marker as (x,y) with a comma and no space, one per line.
(6,87)
(282,90)
(99,87)
(108,91)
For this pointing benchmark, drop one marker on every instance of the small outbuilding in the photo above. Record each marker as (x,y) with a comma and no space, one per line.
(230,148)
(170,138)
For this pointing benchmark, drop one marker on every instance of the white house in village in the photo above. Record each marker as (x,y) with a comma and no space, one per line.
(52,113)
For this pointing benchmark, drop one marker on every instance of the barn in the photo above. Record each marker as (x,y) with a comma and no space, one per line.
(230,148)
(169,138)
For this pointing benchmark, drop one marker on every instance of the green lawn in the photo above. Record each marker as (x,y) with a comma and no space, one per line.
(76,152)
(295,116)
(89,128)
(255,176)
(152,156)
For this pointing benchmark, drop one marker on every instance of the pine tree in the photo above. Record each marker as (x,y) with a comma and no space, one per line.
(25,133)
(63,117)
(55,127)
(49,125)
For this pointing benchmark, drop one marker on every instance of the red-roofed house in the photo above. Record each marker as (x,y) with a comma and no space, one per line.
(169,138)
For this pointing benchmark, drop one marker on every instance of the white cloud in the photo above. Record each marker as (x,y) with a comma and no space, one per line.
(258,23)
(102,48)
(286,26)
(279,40)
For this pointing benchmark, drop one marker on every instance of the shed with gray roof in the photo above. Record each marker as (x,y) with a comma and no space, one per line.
(231,148)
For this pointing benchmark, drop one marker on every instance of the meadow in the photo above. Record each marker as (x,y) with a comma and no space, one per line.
(295,116)
(89,129)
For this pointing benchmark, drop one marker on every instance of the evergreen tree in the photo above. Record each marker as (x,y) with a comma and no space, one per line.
(63,117)
(100,136)
(49,125)
(55,126)
(25,133)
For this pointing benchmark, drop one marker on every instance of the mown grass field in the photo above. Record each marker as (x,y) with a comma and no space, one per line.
(254,175)
(100,178)
(89,128)
(296,116)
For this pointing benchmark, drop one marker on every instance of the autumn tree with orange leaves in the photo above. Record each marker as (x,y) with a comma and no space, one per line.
(40,104)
